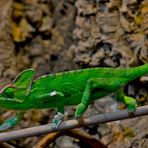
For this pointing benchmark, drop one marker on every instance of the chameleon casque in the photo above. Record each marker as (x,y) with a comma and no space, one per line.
(76,87)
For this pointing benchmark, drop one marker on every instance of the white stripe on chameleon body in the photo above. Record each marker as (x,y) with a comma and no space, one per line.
(53,93)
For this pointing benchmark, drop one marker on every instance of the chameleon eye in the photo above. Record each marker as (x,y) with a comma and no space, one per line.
(9,92)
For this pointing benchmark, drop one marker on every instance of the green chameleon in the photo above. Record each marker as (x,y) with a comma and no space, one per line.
(76,87)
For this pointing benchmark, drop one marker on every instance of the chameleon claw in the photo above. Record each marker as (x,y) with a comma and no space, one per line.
(58,118)
(131,112)
(54,128)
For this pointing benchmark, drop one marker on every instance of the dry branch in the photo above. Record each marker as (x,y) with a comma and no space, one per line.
(75,133)
(70,124)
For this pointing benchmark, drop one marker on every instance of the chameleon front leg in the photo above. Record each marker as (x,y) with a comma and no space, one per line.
(12,121)
(128,101)
(59,117)
(58,96)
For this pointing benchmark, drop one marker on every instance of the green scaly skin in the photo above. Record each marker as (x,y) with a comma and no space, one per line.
(76,87)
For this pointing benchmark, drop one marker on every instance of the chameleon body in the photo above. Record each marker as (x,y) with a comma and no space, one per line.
(76,87)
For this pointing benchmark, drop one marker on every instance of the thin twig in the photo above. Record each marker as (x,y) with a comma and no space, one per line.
(70,124)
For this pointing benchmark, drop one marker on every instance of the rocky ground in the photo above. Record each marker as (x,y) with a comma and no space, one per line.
(52,36)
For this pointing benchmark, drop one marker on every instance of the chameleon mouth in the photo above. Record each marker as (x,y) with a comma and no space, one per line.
(4,109)
(6,105)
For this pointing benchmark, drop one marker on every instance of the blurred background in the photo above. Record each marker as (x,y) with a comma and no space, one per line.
(53,36)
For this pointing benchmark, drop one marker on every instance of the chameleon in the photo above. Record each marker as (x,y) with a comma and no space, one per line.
(75,87)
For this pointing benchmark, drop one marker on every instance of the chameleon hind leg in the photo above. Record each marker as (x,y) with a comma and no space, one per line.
(128,101)
(106,86)
(102,83)
(12,121)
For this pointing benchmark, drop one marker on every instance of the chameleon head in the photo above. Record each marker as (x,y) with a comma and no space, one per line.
(16,93)
(11,96)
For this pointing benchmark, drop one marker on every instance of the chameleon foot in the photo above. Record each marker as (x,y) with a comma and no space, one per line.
(131,105)
(131,110)
(57,120)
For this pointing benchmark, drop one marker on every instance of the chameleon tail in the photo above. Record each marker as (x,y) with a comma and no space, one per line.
(134,73)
